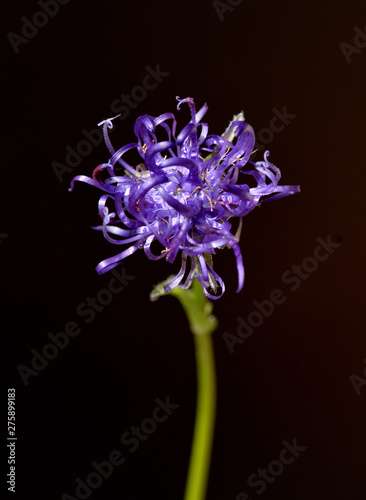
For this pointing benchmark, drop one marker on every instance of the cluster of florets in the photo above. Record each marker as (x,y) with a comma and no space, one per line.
(183,194)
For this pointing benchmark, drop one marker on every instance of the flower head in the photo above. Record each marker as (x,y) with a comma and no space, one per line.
(183,193)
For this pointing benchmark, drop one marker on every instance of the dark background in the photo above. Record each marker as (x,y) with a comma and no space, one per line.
(291,378)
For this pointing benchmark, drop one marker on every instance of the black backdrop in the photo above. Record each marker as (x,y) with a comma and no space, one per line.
(299,379)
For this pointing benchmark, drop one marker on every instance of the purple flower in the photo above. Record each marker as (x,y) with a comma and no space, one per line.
(182,195)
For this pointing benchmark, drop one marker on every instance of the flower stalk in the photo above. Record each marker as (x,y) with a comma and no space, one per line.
(199,466)
(198,310)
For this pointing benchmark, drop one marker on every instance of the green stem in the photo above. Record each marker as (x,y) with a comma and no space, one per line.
(205,419)
(202,323)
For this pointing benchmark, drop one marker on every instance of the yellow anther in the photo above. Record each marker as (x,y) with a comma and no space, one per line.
(209,199)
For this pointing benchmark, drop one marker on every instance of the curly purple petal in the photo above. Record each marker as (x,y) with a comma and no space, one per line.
(182,194)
